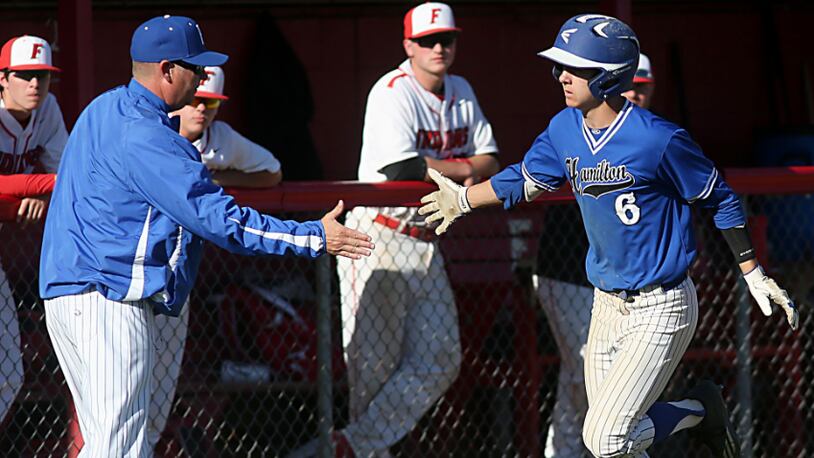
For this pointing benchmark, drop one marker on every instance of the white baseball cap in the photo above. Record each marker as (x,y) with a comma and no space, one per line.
(429,18)
(26,53)
(644,74)
(212,86)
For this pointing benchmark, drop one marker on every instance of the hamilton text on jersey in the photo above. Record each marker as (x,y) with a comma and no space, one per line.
(600,180)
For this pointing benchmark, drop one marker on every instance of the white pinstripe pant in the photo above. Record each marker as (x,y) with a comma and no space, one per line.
(400,335)
(633,350)
(106,351)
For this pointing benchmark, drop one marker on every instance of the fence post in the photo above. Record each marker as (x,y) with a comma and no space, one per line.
(325,422)
(743,364)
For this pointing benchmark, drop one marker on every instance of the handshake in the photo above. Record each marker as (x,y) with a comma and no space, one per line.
(445,205)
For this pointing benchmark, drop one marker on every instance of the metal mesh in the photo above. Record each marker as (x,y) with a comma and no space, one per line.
(248,380)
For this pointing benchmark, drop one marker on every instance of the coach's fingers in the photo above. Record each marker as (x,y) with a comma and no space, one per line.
(358,239)
(342,241)
(353,251)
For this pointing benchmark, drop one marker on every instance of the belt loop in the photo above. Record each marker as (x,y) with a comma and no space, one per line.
(623,305)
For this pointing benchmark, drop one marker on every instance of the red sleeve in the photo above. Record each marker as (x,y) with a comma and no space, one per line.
(27,185)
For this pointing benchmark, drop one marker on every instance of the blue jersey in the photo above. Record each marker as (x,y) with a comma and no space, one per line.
(133,202)
(634,183)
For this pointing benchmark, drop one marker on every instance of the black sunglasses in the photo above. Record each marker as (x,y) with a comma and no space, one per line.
(584,73)
(197,69)
(29,75)
(445,39)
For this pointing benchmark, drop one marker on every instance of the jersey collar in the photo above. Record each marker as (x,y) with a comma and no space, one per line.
(407,68)
(596,144)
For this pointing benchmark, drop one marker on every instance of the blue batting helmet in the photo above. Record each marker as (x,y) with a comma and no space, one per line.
(598,42)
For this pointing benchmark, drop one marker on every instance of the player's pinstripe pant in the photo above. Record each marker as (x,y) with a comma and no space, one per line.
(11,360)
(106,351)
(400,334)
(633,350)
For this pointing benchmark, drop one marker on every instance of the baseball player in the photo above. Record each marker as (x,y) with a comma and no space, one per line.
(400,324)
(565,295)
(634,176)
(644,84)
(232,160)
(32,136)
(124,235)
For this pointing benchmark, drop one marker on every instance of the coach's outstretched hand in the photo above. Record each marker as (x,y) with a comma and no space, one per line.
(447,204)
(341,241)
(765,291)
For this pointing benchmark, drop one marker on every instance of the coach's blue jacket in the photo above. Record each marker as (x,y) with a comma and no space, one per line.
(133,202)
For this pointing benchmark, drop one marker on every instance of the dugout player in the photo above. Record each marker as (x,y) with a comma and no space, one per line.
(32,136)
(124,235)
(634,176)
(566,295)
(232,160)
(400,324)
(644,84)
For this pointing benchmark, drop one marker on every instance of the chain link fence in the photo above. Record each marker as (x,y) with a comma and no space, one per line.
(474,356)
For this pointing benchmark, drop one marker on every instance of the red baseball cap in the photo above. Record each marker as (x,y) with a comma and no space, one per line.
(644,73)
(212,86)
(26,53)
(429,18)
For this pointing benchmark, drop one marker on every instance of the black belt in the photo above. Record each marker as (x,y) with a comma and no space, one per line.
(628,295)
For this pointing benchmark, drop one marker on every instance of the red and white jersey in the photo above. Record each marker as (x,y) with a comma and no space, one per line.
(404,120)
(222,148)
(40,142)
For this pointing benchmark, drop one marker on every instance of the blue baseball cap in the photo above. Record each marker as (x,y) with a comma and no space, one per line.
(172,38)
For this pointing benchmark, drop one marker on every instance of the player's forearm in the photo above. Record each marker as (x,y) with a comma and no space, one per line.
(457,171)
(484,165)
(236,178)
(482,195)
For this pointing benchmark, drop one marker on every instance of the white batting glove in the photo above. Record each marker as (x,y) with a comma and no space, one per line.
(765,291)
(447,204)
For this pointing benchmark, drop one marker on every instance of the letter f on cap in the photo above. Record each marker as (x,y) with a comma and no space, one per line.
(435,13)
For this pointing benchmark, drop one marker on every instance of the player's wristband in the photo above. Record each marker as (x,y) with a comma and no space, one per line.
(738,240)
(463,201)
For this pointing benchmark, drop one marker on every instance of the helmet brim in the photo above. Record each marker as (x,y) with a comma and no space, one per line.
(572,60)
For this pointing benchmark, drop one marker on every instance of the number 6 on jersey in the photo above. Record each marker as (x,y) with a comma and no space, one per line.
(626,209)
